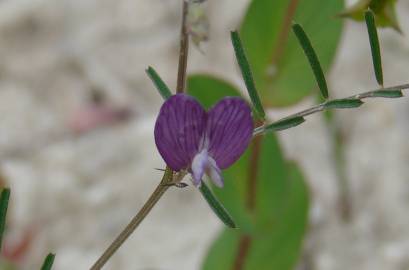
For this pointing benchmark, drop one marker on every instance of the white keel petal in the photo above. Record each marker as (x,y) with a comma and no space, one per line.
(199,165)
(215,173)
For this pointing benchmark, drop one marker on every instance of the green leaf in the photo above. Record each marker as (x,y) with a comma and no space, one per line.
(282,216)
(280,70)
(279,245)
(285,124)
(276,198)
(160,85)
(272,183)
(343,103)
(222,254)
(375,48)
(4,202)
(48,262)
(216,206)
(209,89)
(247,76)
(388,93)
(234,193)
(312,58)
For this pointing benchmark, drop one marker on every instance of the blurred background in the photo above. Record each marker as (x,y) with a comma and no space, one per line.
(76,147)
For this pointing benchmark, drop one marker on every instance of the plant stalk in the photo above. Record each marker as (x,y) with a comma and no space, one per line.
(245,239)
(184,51)
(167,179)
(138,218)
(284,32)
(345,205)
(244,247)
(321,107)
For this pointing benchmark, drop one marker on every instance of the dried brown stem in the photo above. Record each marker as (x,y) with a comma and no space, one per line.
(244,246)
(184,51)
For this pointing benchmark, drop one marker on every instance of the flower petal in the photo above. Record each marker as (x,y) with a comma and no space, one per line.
(229,130)
(215,173)
(179,130)
(199,165)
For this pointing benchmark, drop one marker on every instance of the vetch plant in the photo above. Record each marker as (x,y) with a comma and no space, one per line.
(208,128)
(194,141)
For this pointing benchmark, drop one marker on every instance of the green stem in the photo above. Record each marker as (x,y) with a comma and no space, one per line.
(382,92)
(139,217)
(167,179)
(344,197)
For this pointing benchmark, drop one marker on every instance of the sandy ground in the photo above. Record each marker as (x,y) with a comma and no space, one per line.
(75,192)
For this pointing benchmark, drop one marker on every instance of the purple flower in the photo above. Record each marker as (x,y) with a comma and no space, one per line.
(189,138)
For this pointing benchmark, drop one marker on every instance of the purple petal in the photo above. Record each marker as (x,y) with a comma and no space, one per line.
(229,130)
(179,130)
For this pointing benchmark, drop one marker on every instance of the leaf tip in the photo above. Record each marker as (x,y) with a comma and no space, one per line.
(48,261)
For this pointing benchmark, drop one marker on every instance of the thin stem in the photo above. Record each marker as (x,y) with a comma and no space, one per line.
(138,218)
(244,247)
(285,30)
(252,173)
(320,107)
(184,51)
(245,240)
(344,197)
(344,203)
(167,179)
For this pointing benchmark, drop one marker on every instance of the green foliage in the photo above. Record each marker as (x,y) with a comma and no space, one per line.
(385,12)
(162,88)
(346,103)
(247,76)
(4,202)
(388,94)
(312,58)
(280,71)
(375,48)
(280,217)
(216,206)
(285,124)
(209,89)
(278,221)
(222,253)
(48,262)
(278,244)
